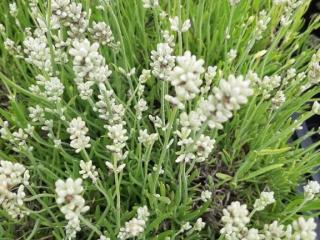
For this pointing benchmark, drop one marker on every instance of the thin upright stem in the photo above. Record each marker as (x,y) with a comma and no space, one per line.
(164,148)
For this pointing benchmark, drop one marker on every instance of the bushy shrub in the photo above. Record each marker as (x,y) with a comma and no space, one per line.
(147,119)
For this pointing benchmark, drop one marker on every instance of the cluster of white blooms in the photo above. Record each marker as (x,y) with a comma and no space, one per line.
(101,32)
(290,76)
(214,110)
(78,130)
(50,88)
(135,226)
(168,38)
(262,24)
(89,66)
(14,177)
(209,75)
(8,44)
(12,47)
(143,78)
(155,168)
(69,14)
(72,204)
(17,138)
(162,61)
(231,55)
(303,229)
(113,113)
(316,108)
(37,51)
(265,199)
(314,70)
(274,231)
(299,229)
(230,94)
(289,7)
(178,26)
(185,227)
(197,149)
(203,147)
(109,109)
(235,218)
(186,76)
(234,2)
(266,85)
(311,189)
(102,237)
(206,195)
(157,122)
(13,9)
(88,170)
(118,134)
(150,3)
(147,139)
(278,99)
(199,225)
(192,120)
(140,107)
(36,113)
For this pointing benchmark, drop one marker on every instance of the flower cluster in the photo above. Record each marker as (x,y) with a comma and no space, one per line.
(236,219)
(135,226)
(109,109)
(101,32)
(37,51)
(72,204)
(69,14)
(262,24)
(147,139)
(289,7)
(198,149)
(150,3)
(209,75)
(14,177)
(311,189)
(316,108)
(113,113)
(266,85)
(178,26)
(89,66)
(88,170)
(17,138)
(230,94)
(314,70)
(186,76)
(50,88)
(162,61)
(78,134)
(266,198)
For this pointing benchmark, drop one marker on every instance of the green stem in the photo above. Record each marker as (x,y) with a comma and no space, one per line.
(179,32)
(295,211)
(146,162)
(164,148)
(90,225)
(118,204)
(184,182)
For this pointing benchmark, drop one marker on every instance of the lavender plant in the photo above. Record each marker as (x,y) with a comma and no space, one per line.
(157,119)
